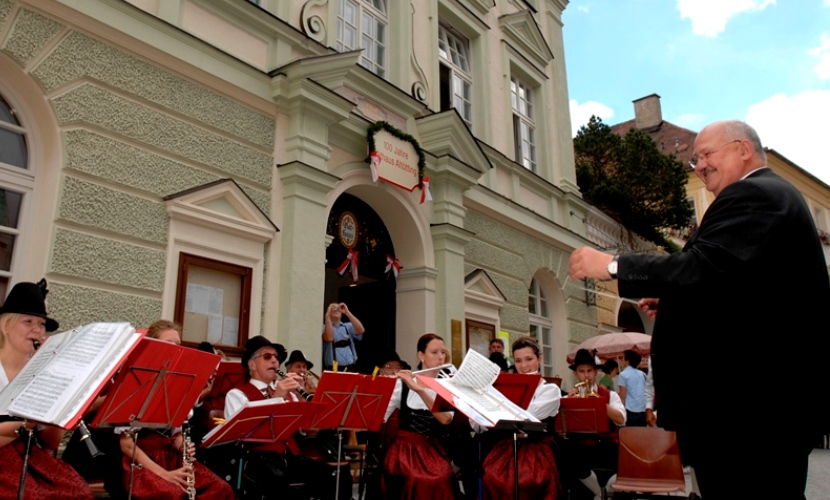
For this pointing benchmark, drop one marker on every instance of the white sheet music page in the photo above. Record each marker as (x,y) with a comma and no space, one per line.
(476,372)
(61,386)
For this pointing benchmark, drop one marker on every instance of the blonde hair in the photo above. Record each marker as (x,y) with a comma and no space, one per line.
(161,326)
(6,321)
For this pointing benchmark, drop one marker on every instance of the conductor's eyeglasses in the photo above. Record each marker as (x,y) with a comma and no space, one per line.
(696,159)
(267,356)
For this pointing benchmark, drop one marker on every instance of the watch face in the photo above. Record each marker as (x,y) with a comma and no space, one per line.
(612,267)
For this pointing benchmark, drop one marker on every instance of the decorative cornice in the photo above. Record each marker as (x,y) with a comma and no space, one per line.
(526,37)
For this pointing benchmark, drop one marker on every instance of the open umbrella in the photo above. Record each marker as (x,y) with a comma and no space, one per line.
(613,345)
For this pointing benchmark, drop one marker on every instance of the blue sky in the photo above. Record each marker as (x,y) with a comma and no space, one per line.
(763,61)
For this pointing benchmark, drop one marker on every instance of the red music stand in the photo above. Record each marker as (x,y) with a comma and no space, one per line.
(356,402)
(229,374)
(266,421)
(156,388)
(518,387)
(582,415)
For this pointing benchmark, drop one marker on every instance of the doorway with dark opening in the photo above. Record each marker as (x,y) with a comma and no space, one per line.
(359,237)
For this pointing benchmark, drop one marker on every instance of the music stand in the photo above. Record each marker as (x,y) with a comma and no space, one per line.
(156,388)
(582,415)
(356,402)
(229,374)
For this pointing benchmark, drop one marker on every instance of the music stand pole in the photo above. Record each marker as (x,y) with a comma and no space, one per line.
(28,433)
(339,455)
(516,464)
(133,432)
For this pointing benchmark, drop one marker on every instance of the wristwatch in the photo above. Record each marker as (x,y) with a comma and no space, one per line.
(612,267)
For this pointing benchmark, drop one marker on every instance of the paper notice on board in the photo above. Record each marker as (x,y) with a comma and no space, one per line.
(197,299)
(214,333)
(216,301)
(230,331)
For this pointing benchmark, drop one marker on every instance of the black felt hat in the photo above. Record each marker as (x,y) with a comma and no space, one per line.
(299,356)
(28,298)
(584,357)
(253,344)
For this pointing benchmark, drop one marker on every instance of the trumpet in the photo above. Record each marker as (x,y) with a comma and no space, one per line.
(585,389)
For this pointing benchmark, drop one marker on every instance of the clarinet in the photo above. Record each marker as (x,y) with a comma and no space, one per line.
(187,461)
(303,394)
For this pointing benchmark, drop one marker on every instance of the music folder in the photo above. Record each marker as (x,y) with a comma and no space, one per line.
(518,387)
(355,401)
(157,386)
(229,374)
(582,415)
(265,421)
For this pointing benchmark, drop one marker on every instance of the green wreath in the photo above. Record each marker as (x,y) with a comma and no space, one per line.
(400,134)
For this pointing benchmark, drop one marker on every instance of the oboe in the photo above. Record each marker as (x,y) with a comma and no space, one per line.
(303,394)
(187,461)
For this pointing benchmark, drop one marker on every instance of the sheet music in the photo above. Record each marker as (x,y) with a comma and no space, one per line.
(476,371)
(68,379)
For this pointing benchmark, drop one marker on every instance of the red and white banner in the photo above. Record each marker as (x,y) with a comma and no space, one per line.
(392,264)
(425,194)
(351,261)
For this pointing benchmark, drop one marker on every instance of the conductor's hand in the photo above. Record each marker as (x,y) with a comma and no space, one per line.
(178,476)
(288,384)
(589,263)
(649,306)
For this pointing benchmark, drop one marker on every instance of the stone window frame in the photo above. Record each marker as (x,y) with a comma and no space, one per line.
(540,327)
(525,136)
(375,11)
(20,180)
(455,55)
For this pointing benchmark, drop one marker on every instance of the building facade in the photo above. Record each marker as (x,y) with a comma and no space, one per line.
(207,160)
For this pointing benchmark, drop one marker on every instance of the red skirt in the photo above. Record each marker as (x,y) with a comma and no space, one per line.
(538,476)
(46,477)
(417,468)
(148,485)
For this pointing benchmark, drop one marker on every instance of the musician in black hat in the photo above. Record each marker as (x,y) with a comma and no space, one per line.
(23,325)
(261,360)
(584,450)
(297,363)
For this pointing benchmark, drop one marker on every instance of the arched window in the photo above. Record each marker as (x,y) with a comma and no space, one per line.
(541,325)
(16,182)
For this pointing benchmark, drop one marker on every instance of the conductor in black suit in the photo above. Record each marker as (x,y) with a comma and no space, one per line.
(750,285)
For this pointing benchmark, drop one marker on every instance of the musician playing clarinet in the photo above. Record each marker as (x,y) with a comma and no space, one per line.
(271,469)
(538,473)
(160,453)
(417,465)
(23,325)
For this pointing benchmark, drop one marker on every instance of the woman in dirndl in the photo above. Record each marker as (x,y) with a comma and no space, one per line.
(538,473)
(23,324)
(417,466)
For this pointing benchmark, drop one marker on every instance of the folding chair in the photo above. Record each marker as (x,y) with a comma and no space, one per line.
(649,464)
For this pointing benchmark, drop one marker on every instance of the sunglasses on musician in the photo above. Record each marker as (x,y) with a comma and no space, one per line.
(267,356)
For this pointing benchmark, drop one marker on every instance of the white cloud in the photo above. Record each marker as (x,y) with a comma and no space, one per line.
(586,9)
(581,113)
(822,52)
(796,127)
(709,17)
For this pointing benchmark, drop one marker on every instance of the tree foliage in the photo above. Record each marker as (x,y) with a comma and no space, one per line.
(631,180)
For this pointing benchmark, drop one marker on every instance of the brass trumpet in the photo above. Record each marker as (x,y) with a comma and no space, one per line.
(585,389)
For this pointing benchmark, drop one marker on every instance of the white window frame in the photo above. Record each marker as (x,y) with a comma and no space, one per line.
(454,52)
(366,16)
(541,326)
(522,103)
(20,180)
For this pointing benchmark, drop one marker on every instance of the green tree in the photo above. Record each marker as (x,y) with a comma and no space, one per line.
(631,180)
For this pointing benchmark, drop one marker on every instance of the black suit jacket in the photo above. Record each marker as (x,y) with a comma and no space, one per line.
(747,297)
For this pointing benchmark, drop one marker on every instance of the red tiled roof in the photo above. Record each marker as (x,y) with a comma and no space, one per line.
(670,138)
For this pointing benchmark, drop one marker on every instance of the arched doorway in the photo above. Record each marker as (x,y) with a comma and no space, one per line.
(354,226)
